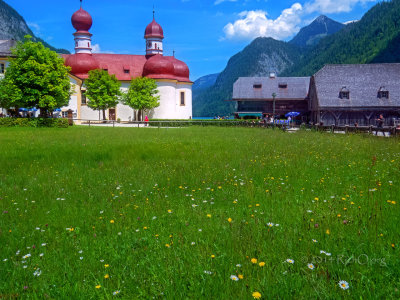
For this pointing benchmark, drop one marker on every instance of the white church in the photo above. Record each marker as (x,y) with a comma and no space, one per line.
(171,74)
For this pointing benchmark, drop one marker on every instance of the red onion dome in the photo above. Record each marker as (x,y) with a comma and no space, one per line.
(181,70)
(81,64)
(158,66)
(81,20)
(154,30)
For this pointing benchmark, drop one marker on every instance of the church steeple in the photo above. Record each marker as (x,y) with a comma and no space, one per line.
(82,22)
(154,36)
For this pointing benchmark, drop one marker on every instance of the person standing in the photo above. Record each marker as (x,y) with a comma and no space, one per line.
(380,121)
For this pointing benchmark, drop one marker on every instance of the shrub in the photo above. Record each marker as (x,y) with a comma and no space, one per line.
(34,122)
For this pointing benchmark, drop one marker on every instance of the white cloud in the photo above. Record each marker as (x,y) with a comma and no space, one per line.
(254,24)
(221,1)
(332,6)
(96,48)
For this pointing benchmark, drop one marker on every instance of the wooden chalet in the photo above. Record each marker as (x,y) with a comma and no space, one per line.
(355,94)
(255,96)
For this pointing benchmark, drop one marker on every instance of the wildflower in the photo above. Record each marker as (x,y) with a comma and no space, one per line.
(167,245)
(44,244)
(240,276)
(193,243)
(208,215)
(208,272)
(315,241)
(328,231)
(98,286)
(311,266)
(254,260)
(106,265)
(261,264)
(290,261)
(25,267)
(239,265)
(169,211)
(270,224)
(81,258)
(212,256)
(234,278)
(106,276)
(339,215)
(112,221)
(344,285)
(5,259)
(116,293)
(229,220)
(37,273)
(256,295)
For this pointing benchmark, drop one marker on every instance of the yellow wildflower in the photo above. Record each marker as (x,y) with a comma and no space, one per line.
(261,264)
(240,276)
(229,220)
(254,260)
(112,221)
(256,295)
(106,276)
(98,286)
(106,266)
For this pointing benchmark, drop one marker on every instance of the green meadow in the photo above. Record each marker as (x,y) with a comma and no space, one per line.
(198,213)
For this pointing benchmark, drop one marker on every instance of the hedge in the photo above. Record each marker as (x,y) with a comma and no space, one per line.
(196,122)
(34,122)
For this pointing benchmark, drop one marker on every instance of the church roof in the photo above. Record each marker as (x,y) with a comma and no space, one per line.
(362,82)
(262,88)
(126,66)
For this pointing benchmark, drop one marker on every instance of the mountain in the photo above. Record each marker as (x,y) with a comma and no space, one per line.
(262,56)
(205,82)
(318,29)
(373,39)
(14,27)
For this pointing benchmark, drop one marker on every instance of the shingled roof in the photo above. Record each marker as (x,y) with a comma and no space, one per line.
(5,47)
(362,82)
(296,88)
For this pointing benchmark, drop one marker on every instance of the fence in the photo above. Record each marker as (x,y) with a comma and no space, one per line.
(392,130)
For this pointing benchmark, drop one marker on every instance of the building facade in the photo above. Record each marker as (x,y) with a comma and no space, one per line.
(258,96)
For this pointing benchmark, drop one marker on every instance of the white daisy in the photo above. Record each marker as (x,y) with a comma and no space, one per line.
(311,266)
(234,278)
(290,261)
(344,285)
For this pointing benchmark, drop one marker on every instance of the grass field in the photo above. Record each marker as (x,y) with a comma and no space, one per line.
(192,213)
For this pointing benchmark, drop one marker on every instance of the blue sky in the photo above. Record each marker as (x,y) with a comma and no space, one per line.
(204,33)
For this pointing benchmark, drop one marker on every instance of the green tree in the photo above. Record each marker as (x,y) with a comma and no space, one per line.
(102,90)
(142,95)
(36,77)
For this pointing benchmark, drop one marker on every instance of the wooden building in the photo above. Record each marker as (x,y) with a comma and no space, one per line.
(255,96)
(355,94)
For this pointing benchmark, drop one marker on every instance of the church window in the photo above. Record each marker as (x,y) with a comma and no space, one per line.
(2,68)
(182,98)
(84,101)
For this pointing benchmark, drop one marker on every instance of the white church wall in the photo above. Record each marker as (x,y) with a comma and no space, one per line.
(184,111)
(168,107)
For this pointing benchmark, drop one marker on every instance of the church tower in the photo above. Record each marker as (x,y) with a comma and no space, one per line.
(82,22)
(154,36)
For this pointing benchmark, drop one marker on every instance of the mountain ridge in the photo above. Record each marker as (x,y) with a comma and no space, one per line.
(13,27)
